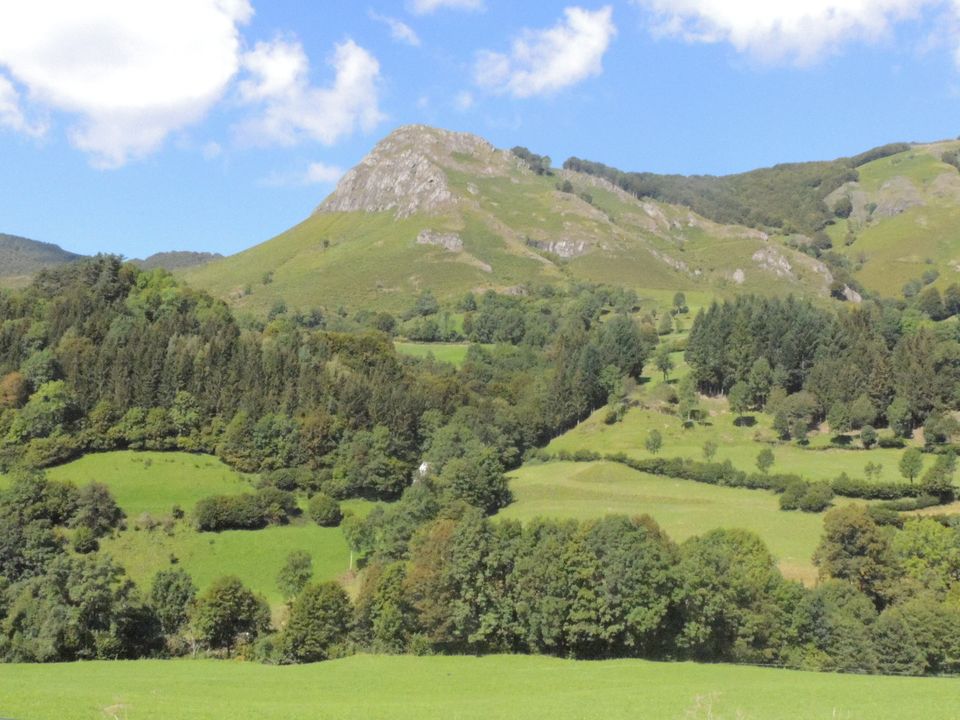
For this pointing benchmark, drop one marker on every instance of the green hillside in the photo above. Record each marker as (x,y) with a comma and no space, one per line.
(21,258)
(466,688)
(147,485)
(905,220)
(475,218)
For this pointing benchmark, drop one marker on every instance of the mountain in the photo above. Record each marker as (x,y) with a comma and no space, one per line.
(20,258)
(446,211)
(904,221)
(176,260)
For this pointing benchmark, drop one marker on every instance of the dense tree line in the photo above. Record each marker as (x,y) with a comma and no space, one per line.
(789,197)
(439,576)
(870,366)
(100,355)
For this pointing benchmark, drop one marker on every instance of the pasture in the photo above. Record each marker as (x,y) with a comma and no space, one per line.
(465,688)
(151,483)
(738,443)
(681,507)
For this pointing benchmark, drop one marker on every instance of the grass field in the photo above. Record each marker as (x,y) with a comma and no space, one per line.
(152,482)
(681,507)
(739,444)
(461,688)
(453,353)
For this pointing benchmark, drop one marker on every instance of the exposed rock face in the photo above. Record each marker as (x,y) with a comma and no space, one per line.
(563,248)
(852,295)
(448,241)
(739,277)
(773,261)
(405,172)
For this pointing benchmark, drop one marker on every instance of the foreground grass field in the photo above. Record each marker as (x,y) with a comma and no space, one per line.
(681,507)
(464,688)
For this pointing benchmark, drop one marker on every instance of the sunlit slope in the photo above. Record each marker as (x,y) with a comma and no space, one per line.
(905,220)
(429,209)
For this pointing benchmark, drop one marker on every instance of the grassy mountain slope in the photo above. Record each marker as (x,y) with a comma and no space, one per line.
(905,219)
(176,260)
(446,211)
(20,258)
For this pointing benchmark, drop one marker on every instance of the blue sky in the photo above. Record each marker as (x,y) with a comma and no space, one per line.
(134,126)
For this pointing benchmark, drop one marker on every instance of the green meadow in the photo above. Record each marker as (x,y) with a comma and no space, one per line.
(461,688)
(153,482)
(453,353)
(738,443)
(681,507)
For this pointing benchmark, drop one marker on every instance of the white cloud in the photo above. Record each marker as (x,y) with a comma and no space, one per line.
(11,114)
(317,173)
(212,150)
(545,61)
(133,72)
(399,30)
(798,31)
(425,7)
(463,101)
(293,110)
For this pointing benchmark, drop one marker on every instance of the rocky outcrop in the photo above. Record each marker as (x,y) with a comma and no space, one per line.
(448,241)
(773,261)
(562,248)
(405,172)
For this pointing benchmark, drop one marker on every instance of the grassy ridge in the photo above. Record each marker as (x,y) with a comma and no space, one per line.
(465,688)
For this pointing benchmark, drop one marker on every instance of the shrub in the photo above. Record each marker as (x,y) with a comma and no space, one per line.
(85,541)
(816,498)
(247,511)
(790,499)
(324,510)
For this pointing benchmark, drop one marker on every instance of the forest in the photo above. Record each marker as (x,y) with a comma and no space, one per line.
(101,355)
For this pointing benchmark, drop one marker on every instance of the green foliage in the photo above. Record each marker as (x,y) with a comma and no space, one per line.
(172,593)
(227,613)
(853,548)
(654,442)
(320,620)
(324,510)
(911,463)
(246,511)
(765,460)
(296,572)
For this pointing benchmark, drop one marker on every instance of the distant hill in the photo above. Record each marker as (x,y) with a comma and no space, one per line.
(446,211)
(176,260)
(20,258)
(787,198)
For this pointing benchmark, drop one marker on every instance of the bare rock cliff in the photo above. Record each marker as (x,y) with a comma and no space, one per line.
(405,172)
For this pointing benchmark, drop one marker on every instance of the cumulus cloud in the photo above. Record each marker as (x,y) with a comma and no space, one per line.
(399,30)
(291,109)
(131,72)
(541,62)
(463,101)
(425,7)
(11,113)
(317,173)
(797,31)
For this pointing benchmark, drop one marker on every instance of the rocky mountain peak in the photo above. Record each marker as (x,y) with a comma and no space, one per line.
(406,172)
